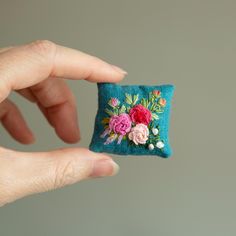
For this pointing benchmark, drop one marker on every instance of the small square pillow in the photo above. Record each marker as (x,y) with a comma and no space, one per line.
(133,120)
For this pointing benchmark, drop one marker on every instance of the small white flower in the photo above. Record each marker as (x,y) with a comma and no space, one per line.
(160,144)
(150,146)
(155,131)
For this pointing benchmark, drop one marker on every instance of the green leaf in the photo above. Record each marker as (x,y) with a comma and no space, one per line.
(128,98)
(151,98)
(109,112)
(143,102)
(150,95)
(122,109)
(155,116)
(109,103)
(156,108)
(152,125)
(116,111)
(152,107)
(159,111)
(135,99)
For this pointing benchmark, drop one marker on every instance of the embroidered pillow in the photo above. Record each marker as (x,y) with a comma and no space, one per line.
(133,120)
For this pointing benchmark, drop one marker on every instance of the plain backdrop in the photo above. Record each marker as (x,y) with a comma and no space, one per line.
(189,43)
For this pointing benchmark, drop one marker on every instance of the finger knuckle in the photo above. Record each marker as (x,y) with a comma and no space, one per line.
(43,47)
(5,89)
(97,61)
(65,174)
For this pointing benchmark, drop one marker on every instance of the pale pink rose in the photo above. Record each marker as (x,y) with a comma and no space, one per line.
(139,134)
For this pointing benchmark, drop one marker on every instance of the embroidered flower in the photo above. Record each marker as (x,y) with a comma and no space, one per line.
(150,146)
(120,124)
(162,102)
(136,119)
(156,93)
(140,114)
(155,131)
(160,144)
(114,102)
(139,134)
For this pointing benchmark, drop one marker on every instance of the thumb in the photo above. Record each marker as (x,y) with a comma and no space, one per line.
(23,174)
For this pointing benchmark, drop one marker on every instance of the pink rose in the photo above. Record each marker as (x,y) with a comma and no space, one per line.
(139,134)
(140,114)
(120,124)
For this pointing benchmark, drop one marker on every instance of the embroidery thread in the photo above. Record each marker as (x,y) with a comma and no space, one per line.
(135,120)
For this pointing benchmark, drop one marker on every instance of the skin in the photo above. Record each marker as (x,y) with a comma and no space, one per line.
(37,72)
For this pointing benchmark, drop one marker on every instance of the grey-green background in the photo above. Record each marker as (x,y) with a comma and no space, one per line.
(189,43)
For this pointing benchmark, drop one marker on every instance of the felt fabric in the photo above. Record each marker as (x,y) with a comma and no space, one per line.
(133,120)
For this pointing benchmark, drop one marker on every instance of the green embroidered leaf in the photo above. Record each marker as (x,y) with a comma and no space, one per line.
(145,102)
(135,99)
(152,107)
(151,125)
(109,103)
(156,108)
(128,98)
(150,95)
(122,109)
(116,111)
(159,111)
(128,109)
(109,112)
(155,116)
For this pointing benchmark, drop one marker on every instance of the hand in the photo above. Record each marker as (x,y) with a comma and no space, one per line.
(36,71)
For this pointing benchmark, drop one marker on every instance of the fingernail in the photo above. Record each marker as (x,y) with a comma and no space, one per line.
(118,69)
(104,167)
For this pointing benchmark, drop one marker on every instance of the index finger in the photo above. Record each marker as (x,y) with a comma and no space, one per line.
(26,65)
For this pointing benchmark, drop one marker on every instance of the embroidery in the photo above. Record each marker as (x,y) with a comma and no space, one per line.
(135,121)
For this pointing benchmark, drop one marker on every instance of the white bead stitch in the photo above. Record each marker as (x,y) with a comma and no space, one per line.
(155,131)
(160,144)
(150,146)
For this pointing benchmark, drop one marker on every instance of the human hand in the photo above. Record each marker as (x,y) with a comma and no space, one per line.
(36,71)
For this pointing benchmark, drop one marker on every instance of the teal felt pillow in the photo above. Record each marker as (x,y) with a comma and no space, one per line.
(133,120)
